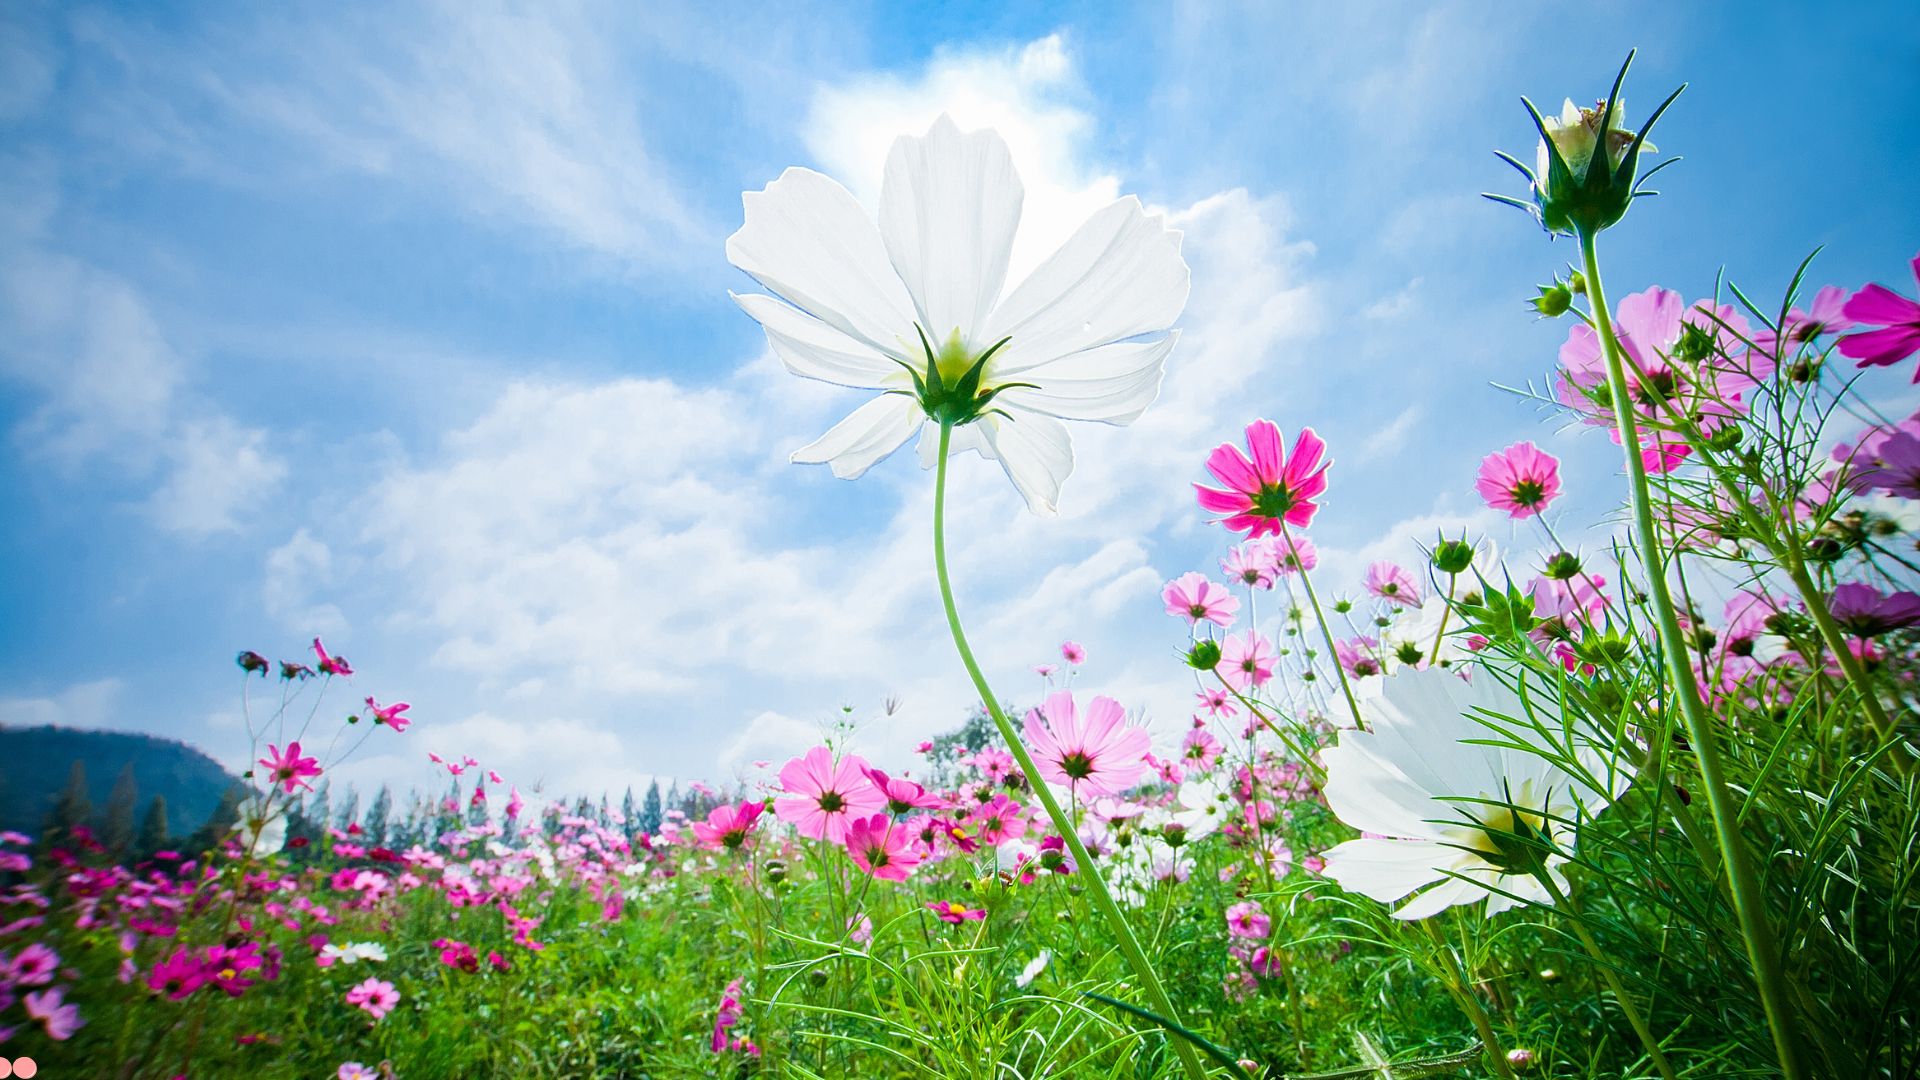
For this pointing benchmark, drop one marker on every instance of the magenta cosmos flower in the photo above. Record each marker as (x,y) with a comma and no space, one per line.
(332,665)
(903,796)
(1827,316)
(1864,611)
(1194,598)
(1293,555)
(1095,754)
(952,911)
(1522,480)
(728,826)
(1898,318)
(824,797)
(999,820)
(882,848)
(290,770)
(1272,488)
(1073,652)
(390,715)
(1895,467)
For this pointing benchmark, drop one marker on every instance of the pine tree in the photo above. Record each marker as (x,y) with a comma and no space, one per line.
(380,817)
(72,809)
(116,822)
(153,829)
(629,814)
(220,823)
(349,810)
(651,811)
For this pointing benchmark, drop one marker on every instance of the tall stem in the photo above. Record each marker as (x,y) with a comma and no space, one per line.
(1640,1028)
(1333,651)
(1742,881)
(1090,875)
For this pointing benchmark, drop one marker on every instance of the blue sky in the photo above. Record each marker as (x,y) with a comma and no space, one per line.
(409,327)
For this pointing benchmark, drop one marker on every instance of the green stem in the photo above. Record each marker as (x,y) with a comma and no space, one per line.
(1333,651)
(1612,977)
(1463,996)
(1089,873)
(1742,880)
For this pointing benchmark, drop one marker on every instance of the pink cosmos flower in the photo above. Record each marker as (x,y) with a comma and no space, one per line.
(1522,480)
(824,796)
(1193,598)
(1895,466)
(1217,702)
(1251,564)
(1098,754)
(1247,920)
(515,804)
(859,929)
(1652,327)
(999,821)
(1828,316)
(1200,748)
(1358,655)
(353,1070)
(1865,612)
(1271,488)
(61,1020)
(33,967)
(1073,653)
(994,763)
(1293,555)
(726,1016)
(882,848)
(1246,660)
(952,911)
(376,997)
(290,770)
(728,826)
(903,795)
(1391,582)
(389,714)
(332,665)
(925,747)
(1899,319)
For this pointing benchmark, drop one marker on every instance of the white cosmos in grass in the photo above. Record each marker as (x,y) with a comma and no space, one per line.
(1084,337)
(1448,813)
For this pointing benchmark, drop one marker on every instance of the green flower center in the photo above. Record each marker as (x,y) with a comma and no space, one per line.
(1076,765)
(952,386)
(831,801)
(1274,500)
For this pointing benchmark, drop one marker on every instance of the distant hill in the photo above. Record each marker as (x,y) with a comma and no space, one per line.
(35,763)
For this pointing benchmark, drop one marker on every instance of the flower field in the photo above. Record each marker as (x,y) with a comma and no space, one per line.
(1647,805)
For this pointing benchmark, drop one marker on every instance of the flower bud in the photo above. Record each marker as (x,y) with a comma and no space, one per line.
(1205,655)
(1586,166)
(1341,607)
(1577,283)
(1554,300)
(251,662)
(1520,1058)
(1564,566)
(1452,556)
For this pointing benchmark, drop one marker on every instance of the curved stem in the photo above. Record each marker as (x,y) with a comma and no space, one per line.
(1096,886)
(1333,651)
(1742,880)
(1640,1028)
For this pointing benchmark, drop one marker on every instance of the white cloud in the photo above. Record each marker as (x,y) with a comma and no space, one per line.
(92,704)
(218,469)
(297,572)
(1394,304)
(1390,438)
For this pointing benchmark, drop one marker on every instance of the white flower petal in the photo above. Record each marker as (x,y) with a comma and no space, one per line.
(1440,898)
(949,206)
(1374,795)
(1036,452)
(967,437)
(869,433)
(1112,383)
(1385,870)
(1119,276)
(807,239)
(815,350)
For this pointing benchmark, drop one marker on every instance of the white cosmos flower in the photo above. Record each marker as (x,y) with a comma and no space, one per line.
(1438,804)
(263,826)
(1084,337)
(1205,805)
(1033,969)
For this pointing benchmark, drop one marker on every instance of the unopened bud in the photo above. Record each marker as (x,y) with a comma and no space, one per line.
(1452,556)
(1553,301)
(1564,566)
(1205,655)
